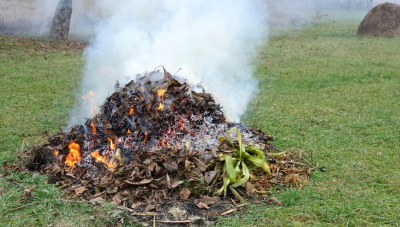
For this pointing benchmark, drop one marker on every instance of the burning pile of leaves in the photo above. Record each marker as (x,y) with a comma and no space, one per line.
(159,140)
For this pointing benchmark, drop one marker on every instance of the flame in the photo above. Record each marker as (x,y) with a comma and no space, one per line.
(187,144)
(96,155)
(93,128)
(112,144)
(56,153)
(129,132)
(160,93)
(131,111)
(160,107)
(74,154)
(144,143)
(90,93)
(162,142)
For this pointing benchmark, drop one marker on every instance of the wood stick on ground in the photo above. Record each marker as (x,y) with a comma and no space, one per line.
(229,211)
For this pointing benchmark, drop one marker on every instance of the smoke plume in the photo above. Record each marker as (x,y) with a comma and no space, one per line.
(212,42)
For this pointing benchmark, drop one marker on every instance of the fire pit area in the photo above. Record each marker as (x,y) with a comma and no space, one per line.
(164,150)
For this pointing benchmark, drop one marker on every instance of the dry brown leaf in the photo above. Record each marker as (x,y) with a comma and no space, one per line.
(185,193)
(80,190)
(152,165)
(149,208)
(202,205)
(200,164)
(249,189)
(275,201)
(209,200)
(1,190)
(136,205)
(112,190)
(176,183)
(188,165)
(116,200)
(97,200)
(98,194)
(171,166)
(142,182)
(168,182)
(107,179)
(209,176)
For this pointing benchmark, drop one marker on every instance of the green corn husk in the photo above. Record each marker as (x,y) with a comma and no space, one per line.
(254,150)
(237,194)
(244,180)
(230,168)
(229,135)
(258,162)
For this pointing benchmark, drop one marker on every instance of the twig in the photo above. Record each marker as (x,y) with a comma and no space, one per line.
(23,206)
(176,222)
(290,162)
(229,211)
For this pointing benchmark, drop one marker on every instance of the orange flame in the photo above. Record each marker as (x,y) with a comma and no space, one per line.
(160,93)
(162,142)
(131,111)
(160,107)
(93,128)
(56,153)
(144,143)
(96,155)
(74,154)
(129,132)
(112,144)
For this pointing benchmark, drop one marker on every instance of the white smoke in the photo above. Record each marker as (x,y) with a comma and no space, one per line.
(212,41)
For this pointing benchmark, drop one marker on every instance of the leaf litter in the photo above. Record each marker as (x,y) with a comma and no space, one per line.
(160,144)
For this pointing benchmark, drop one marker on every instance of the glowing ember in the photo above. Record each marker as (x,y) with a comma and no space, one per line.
(74,154)
(93,128)
(144,143)
(129,132)
(131,111)
(96,155)
(163,142)
(112,144)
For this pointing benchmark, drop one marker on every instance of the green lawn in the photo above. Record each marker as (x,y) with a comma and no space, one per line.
(321,89)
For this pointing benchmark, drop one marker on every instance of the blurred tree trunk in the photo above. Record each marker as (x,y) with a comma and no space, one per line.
(61,20)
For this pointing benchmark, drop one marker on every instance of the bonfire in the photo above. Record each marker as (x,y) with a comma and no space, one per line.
(159,140)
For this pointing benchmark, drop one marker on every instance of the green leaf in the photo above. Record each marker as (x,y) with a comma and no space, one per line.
(230,168)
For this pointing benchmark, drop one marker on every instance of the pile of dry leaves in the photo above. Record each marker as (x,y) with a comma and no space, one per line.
(156,145)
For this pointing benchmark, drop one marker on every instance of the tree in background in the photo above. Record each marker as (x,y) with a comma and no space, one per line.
(61,20)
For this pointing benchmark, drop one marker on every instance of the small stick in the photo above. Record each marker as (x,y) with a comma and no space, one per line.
(229,211)
(176,222)
(23,206)
(290,162)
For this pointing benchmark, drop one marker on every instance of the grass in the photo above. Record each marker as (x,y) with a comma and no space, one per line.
(321,89)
